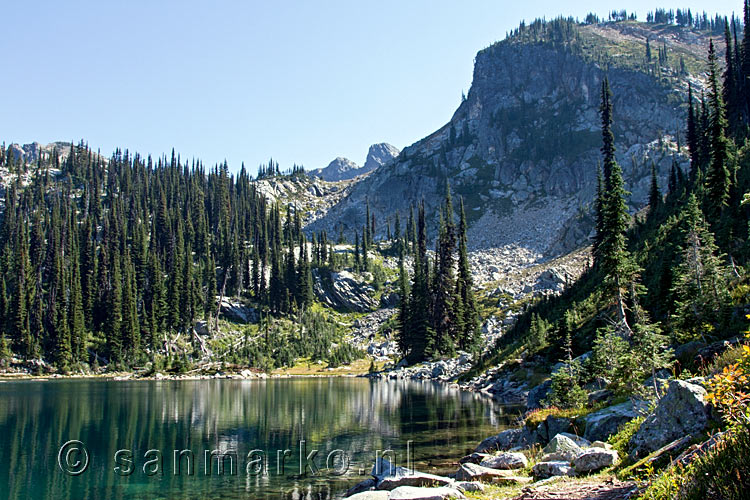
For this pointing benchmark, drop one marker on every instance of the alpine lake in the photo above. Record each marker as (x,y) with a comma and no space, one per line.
(229,439)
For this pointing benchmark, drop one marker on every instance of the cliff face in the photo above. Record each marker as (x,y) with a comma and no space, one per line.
(522,149)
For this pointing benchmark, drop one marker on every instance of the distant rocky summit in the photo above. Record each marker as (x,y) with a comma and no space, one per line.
(338,170)
(379,155)
(342,169)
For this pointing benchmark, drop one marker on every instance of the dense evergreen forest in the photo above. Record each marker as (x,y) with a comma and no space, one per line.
(106,261)
(101,259)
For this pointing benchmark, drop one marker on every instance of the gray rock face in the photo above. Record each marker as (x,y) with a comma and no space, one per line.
(511,438)
(594,459)
(339,169)
(474,472)
(379,155)
(582,442)
(543,470)
(681,412)
(236,311)
(561,448)
(369,495)
(415,493)
(30,153)
(344,291)
(537,395)
(525,96)
(603,423)
(470,486)
(505,461)
(551,427)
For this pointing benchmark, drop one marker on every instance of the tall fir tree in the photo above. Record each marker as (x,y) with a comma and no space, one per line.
(468,314)
(615,258)
(654,195)
(717,177)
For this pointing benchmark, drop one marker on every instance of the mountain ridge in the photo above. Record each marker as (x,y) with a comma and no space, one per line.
(522,148)
(342,169)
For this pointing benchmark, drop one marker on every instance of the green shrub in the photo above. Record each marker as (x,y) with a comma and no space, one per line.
(725,359)
(536,417)
(722,472)
(626,431)
(565,391)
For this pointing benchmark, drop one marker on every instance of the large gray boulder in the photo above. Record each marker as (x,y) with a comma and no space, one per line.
(681,412)
(474,472)
(561,448)
(543,470)
(606,422)
(506,461)
(537,395)
(470,486)
(366,485)
(369,495)
(552,426)
(582,442)
(416,493)
(344,291)
(474,458)
(510,438)
(594,459)
(234,310)
(389,477)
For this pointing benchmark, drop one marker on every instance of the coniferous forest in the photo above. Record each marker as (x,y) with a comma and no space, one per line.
(108,261)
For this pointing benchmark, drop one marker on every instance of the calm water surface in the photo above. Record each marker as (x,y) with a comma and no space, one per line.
(357,416)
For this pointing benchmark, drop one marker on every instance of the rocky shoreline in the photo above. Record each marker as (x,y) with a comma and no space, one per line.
(529,457)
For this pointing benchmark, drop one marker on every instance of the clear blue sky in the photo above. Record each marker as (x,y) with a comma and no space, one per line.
(300,81)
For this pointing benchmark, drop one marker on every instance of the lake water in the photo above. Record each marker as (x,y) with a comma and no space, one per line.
(119,426)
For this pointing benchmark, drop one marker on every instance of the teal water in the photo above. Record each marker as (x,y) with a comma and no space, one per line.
(354,415)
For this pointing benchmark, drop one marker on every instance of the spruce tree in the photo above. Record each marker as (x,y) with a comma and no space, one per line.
(4,327)
(304,276)
(418,331)
(615,258)
(598,215)
(745,71)
(717,177)
(79,334)
(63,354)
(357,263)
(404,313)
(113,324)
(468,314)
(654,196)
(700,286)
(692,135)
(22,323)
(130,332)
(444,299)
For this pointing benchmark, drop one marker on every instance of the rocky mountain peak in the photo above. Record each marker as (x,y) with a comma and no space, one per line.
(338,170)
(342,169)
(380,154)
(522,148)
